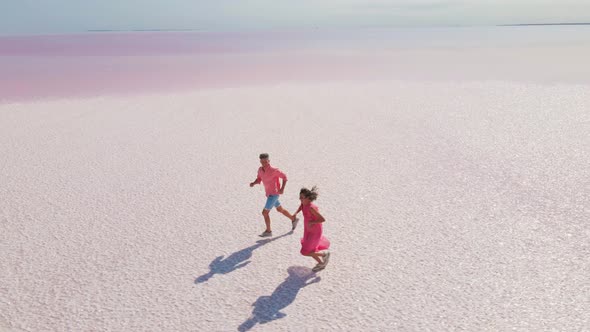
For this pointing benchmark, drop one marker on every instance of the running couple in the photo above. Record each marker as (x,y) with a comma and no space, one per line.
(313,243)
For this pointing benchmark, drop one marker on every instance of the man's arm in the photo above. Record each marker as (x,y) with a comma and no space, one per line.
(257,181)
(283,186)
(283,177)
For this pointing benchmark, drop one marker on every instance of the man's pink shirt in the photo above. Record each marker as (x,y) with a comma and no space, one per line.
(270,179)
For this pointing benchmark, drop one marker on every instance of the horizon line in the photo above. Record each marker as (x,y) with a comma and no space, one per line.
(291,28)
(540,24)
(363,27)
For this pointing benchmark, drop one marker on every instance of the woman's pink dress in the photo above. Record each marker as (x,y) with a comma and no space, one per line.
(313,240)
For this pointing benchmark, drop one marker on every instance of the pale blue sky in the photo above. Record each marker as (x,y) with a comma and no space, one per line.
(56,16)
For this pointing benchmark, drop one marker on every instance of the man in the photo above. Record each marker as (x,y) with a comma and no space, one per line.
(270,178)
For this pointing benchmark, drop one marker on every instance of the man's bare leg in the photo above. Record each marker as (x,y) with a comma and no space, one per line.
(286,213)
(265,213)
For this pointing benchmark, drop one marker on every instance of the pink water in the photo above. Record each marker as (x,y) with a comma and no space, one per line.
(113,63)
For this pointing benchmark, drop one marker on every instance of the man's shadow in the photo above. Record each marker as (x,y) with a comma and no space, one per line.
(234,261)
(267,308)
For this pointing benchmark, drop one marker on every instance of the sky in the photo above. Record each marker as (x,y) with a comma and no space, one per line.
(59,16)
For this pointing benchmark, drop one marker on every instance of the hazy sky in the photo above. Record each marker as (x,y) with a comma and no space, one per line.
(55,16)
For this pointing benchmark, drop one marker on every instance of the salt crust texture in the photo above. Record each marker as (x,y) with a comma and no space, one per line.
(450,206)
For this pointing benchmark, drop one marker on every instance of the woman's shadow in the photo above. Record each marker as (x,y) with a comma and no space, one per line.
(267,308)
(234,261)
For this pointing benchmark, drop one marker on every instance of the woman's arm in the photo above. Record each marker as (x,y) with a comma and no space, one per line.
(298,209)
(318,217)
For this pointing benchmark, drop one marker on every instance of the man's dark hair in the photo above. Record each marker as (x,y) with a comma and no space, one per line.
(264,156)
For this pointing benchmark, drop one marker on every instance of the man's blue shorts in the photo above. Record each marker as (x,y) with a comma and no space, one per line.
(271,202)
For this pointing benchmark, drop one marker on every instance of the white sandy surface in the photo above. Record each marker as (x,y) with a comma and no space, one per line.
(450,206)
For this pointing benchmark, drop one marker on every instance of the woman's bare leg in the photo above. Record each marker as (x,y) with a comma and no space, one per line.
(316,256)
